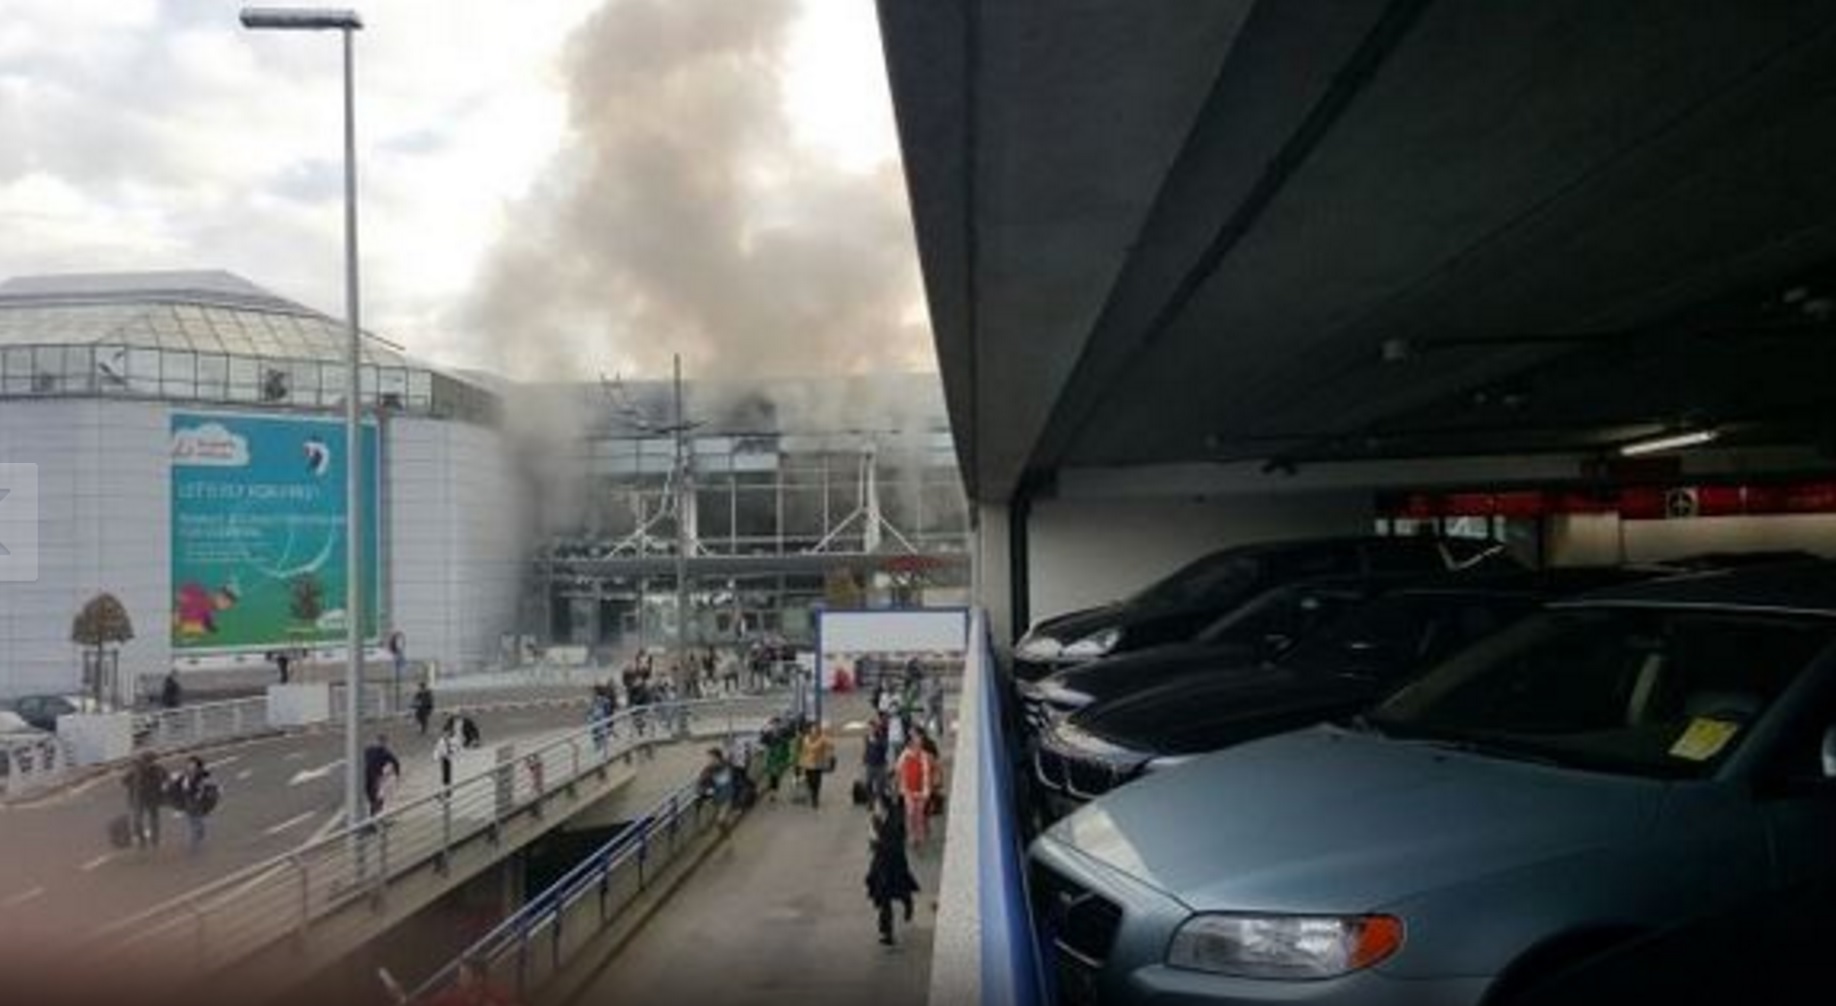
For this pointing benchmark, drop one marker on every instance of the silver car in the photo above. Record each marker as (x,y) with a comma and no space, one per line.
(1612,767)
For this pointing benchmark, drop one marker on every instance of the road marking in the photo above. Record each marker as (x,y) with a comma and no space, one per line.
(244,775)
(22,897)
(307,775)
(224,762)
(291,822)
(296,756)
(98,862)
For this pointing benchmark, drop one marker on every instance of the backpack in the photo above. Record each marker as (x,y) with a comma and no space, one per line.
(208,796)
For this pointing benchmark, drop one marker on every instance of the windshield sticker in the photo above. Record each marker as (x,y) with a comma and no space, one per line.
(1704,739)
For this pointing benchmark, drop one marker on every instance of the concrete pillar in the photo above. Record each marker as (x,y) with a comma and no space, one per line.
(991,584)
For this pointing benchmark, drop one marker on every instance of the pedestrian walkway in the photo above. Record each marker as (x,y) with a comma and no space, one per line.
(779,913)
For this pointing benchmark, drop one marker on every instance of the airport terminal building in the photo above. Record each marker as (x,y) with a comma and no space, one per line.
(187,434)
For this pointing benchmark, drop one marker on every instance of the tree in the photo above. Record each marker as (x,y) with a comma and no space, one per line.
(102,622)
(307,599)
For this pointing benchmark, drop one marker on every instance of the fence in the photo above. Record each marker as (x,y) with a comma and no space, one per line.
(566,918)
(203,723)
(291,896)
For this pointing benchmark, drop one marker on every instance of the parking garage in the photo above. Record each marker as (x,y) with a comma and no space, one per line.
(1557,277)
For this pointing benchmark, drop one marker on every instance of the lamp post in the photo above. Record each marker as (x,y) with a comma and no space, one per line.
(345,22)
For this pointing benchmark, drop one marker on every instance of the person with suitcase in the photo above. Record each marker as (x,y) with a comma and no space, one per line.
(145,781)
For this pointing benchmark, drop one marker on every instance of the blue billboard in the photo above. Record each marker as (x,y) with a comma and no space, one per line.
(259,525)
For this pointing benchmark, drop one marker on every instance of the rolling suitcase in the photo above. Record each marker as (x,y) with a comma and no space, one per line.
(121,832)
(859,793)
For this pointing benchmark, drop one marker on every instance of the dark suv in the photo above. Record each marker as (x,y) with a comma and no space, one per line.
(1176,608)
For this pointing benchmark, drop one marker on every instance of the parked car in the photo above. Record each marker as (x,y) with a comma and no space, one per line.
(1610,767)
(1766,951)
(1179,606)
(1338,671)
(1259,632)
(42,711)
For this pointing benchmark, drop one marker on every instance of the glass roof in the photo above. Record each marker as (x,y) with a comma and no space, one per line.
(205,328)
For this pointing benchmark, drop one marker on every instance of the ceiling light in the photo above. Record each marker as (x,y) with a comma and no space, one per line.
(1669,442)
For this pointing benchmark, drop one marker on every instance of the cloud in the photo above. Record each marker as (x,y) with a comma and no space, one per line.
(210,445)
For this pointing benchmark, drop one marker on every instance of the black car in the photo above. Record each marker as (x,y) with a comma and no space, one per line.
(1177,608)
(42,711)
(1339,671)
(1258,632)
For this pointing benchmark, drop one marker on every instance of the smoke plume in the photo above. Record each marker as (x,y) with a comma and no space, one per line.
(682,217)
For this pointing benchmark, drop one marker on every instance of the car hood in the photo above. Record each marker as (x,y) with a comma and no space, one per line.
(1143,669)
(1326,820)
(1073,626)
(1207,711)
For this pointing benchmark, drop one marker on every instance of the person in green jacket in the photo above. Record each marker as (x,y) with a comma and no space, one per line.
(780,743)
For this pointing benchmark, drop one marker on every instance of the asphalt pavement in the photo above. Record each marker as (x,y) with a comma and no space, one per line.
(60,877)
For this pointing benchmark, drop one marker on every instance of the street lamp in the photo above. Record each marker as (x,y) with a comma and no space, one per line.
(345,21)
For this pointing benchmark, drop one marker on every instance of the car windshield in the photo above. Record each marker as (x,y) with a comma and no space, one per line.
(1403,632)
(1215,576)
(1666,693)
(1287,612)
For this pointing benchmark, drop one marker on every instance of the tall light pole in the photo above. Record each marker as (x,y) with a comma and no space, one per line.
(346,22)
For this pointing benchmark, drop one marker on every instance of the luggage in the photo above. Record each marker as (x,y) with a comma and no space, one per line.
(208,796)
(121,832)
(859,793)
(934,806)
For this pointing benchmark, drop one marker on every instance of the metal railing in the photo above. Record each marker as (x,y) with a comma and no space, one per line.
(290,896)
(554,926)
(203,723)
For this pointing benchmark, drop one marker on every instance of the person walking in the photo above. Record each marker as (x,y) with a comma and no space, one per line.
(716,783)
(423,706)
(815,758)
(780,743)
(916,775)
(146,792)
(446,748)
(380,770)
(197,797)
(889,873)
(874,759)
(170,694)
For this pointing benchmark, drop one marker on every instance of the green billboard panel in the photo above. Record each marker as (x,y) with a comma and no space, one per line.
(259,524)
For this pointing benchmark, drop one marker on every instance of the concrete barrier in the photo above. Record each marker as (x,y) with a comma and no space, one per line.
(298,705)
(95,738)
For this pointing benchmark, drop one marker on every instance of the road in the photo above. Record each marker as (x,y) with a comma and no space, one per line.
(60,877)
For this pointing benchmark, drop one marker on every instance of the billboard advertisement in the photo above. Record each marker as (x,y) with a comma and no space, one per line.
(259,521)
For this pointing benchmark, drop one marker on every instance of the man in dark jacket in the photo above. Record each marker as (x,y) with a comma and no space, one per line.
(146,792)
(170,695)
(378,763)
(889,874)
(423,706)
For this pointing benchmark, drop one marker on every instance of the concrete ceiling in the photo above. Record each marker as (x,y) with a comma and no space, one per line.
(1188,230)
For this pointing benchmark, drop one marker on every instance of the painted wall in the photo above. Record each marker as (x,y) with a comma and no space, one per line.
(457,540)
(1590,539)
(104,504)
(1088,551)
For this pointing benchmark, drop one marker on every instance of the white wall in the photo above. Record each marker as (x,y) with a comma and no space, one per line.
(458,543)
(1587,539)
(104,505)
(1088,551)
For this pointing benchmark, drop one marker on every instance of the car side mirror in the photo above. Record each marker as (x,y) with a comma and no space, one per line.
(1828,750)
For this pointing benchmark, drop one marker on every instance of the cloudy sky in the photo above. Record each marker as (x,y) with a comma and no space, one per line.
(579,186)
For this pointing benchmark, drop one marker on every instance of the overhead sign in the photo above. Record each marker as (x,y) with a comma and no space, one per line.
(259,523)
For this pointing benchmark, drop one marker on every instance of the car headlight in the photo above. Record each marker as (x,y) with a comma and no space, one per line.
(1297,947)
(1033,647)
(1097,644)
